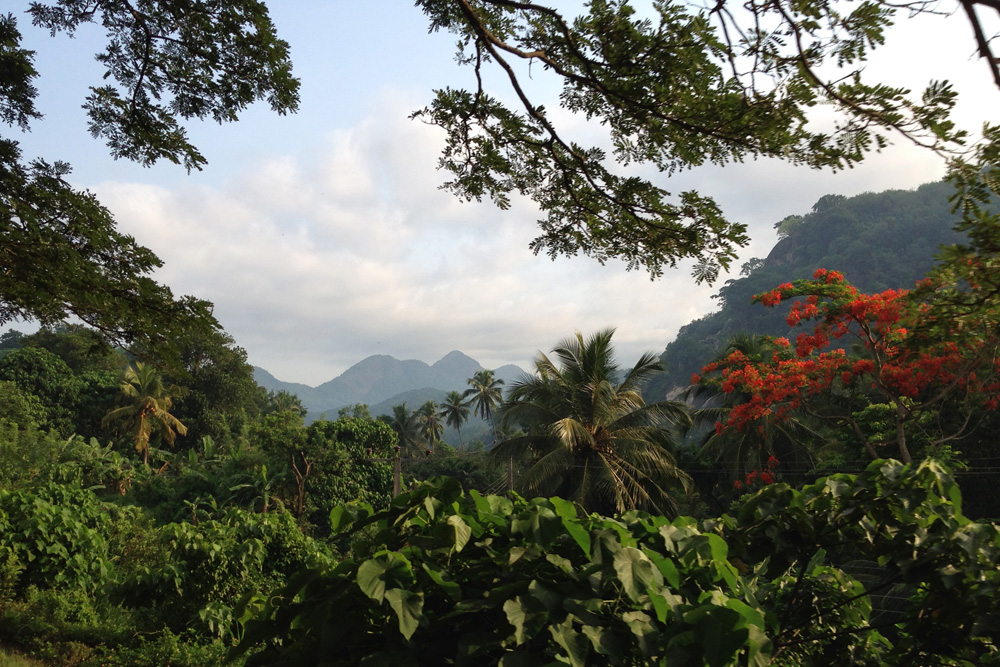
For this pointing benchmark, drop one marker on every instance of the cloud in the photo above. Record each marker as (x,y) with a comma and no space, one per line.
(315,261)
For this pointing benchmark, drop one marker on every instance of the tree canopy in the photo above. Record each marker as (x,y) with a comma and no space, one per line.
(61,254)
(677,86)
(590,436)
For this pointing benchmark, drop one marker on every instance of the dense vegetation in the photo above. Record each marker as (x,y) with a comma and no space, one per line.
(881,241)
(158,508)
(159,549)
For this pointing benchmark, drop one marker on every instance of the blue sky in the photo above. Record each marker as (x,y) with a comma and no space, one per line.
(322,237)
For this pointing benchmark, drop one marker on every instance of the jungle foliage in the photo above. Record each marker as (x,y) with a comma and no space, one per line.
(843,571)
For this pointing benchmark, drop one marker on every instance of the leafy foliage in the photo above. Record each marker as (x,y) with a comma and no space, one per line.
(676,86)
(909,372)
(57,534)
(444,577)
(906,522)
(165,62)
(62,256)
(481,579)
(207,566)
(589,437)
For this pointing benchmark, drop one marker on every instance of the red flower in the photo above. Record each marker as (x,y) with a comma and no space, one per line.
(738,484)
(772,461)
(766,477)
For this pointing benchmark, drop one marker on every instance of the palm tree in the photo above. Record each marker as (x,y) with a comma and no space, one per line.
(283,401)
(406,424)
(455,411)
(147,409)
(485,396)
(431,427)
(592,439)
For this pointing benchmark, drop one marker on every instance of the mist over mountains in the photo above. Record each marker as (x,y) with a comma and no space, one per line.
(381,381)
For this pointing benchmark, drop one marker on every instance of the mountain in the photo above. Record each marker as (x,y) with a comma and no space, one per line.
(877,240)
(381,379)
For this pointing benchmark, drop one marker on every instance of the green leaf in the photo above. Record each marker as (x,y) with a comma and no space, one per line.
(604,641)
(451,589)
(526,615)
(462,531)
(409,607)
(567,512)
(343,517)
(386,567)
(719,631)
(575,644)
(492,509)
(667,568)
(636,572)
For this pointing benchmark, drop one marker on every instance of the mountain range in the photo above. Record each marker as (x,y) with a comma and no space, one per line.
(381,381)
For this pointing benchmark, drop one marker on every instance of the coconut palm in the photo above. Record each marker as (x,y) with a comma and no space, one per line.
(147,408)
(485,395)
(406,424)
(455,411)
(431,428)
(589,436)
(284,401)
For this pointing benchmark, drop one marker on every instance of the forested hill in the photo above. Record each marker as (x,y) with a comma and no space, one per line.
(879,241)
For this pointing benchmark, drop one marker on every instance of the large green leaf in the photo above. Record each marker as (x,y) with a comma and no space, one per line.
(636,572)
(567,512)
(462,531)
(409,607)
(575,644)
(386,569)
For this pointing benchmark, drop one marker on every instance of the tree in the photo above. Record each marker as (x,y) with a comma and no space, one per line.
(676,86)
(147,409)
(431,428)
(407,427)
(351,463)
(221,397)
(285,401)
(901,367)
(455,411)
(592,438)
(60,253)
(794,439)
(42,374)
(485,396)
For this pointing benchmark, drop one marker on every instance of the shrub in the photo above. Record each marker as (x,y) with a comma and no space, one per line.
(57,533)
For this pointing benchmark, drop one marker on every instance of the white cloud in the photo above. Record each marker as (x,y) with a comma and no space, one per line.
(315,261)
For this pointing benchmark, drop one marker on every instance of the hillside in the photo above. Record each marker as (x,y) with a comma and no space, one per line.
(879,241)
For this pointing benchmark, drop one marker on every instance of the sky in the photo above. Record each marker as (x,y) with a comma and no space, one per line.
(322,237)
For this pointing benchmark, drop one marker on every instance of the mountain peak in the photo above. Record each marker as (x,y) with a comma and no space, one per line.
(454,358)
(456,364)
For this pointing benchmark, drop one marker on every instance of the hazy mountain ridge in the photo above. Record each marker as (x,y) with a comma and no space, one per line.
(379,379)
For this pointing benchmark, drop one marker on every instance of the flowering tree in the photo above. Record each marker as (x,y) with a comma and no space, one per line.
(902,363)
